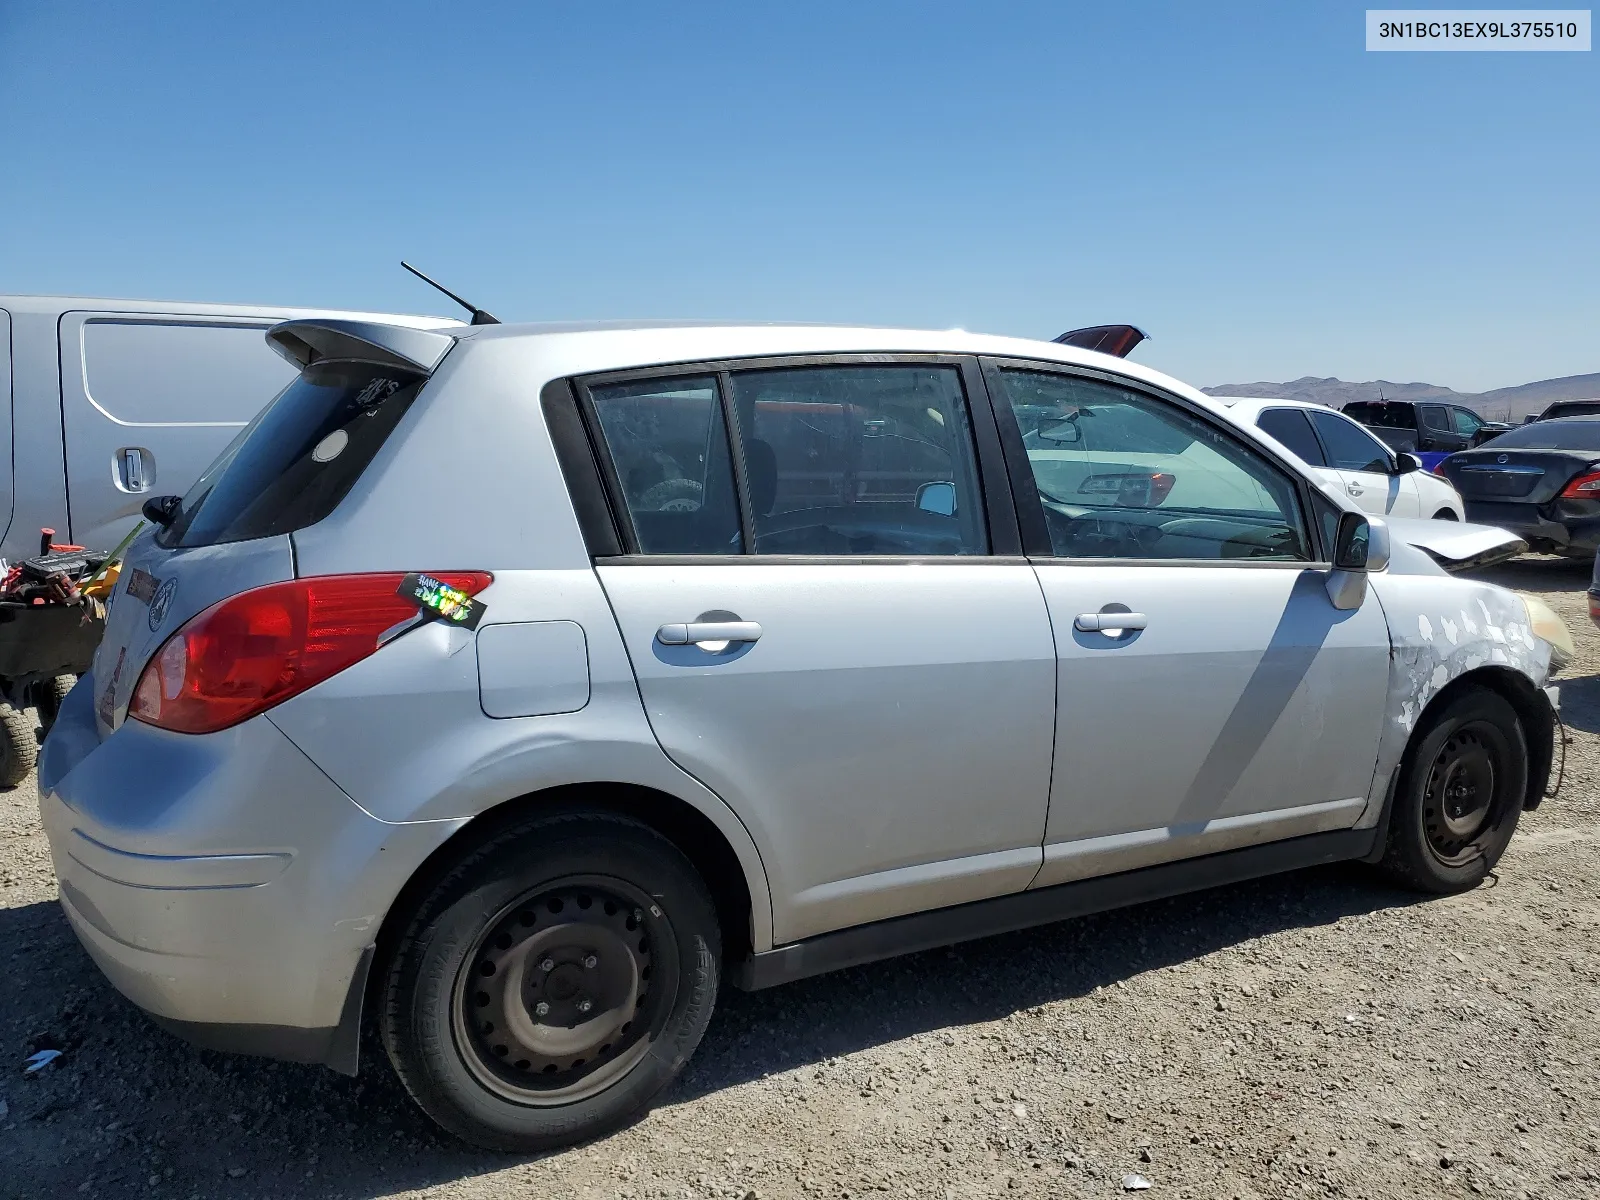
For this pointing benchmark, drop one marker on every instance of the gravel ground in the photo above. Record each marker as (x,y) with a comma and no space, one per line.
(1315,1034)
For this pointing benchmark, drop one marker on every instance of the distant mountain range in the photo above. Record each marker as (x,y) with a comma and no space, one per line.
(1502,404)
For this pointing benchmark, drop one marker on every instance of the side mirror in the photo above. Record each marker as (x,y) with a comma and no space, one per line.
(938,498)
(159,510)
(1360,547)
(1406,463)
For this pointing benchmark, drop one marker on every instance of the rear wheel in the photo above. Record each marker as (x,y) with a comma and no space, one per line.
(1460,794)
(50,695)
(553,983)
(19,746)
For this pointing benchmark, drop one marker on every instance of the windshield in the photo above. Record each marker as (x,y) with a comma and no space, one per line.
(1570,433)
(291,466)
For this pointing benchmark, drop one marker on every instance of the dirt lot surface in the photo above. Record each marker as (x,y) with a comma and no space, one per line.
(1315,1034)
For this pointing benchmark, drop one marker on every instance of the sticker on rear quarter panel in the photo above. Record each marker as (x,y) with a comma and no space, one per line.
(141,585)
(161,602)
(443,601)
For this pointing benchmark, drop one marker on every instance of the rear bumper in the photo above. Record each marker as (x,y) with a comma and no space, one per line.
(222,882)
(1542,527)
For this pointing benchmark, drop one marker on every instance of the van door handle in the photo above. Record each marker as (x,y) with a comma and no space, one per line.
(135,469)
(1101,621)
(708,631)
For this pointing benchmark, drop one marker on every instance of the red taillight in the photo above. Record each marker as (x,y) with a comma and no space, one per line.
(1438,468)
(1584,487)
(246,653)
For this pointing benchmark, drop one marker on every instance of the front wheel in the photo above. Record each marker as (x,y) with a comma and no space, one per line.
(1461,790)
(1444,514)
(554,982)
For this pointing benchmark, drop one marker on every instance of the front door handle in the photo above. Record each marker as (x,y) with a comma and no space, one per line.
(1353,488)
(1101,622)
(708,631)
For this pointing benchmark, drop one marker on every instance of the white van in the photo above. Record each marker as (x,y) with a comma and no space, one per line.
(105,403)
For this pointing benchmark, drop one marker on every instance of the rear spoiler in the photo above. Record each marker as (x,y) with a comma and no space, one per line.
(1116,340)
(314,340)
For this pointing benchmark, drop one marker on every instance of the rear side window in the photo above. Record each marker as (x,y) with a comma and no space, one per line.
(290,467)
(669,449)
(1290,426)
(1350,448)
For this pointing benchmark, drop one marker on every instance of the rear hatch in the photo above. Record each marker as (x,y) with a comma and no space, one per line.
(288,469)
(1528,476)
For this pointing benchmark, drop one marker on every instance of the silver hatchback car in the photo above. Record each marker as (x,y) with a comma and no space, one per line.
(510,686)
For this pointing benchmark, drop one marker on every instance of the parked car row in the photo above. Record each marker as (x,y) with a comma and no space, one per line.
(511,687)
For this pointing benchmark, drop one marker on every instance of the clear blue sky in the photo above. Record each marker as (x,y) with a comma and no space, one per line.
(1245,182)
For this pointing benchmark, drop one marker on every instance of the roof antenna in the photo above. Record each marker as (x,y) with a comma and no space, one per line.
(479,316)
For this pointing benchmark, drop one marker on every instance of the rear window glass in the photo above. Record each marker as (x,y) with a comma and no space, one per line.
(1576,408)
(290,467)
(1571,433)
(1390,416)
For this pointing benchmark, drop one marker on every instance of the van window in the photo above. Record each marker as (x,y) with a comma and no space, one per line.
(290,467)
(171,372)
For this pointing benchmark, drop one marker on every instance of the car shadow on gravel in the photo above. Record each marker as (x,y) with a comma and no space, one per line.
(757,1034)
(127,1103)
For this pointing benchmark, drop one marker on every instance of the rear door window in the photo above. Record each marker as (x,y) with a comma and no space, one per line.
(1435,417)
(291,465)
(1291,427)
(860,460)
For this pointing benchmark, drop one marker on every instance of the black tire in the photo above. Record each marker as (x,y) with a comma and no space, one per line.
(49,696)
(1462,787)
(1444,514)
(19,746)
(525,921)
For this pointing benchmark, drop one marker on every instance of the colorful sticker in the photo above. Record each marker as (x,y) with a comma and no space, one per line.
(141,585)
(442,600)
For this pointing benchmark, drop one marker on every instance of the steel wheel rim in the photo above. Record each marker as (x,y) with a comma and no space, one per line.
(564,991)
(1460,807)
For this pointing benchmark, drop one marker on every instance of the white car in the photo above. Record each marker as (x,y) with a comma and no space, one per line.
(1379,480)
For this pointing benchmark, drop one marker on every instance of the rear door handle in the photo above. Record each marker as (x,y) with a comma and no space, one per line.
(1101,621)
(708,631)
